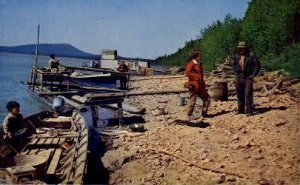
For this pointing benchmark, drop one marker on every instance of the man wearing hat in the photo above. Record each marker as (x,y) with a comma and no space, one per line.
(245,66)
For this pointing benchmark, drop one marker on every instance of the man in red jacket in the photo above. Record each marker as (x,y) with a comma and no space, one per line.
(196,84)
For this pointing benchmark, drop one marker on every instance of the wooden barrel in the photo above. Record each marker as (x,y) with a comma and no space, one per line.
(149,72)
(220,91)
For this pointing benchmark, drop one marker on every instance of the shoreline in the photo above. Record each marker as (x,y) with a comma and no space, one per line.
(260,148)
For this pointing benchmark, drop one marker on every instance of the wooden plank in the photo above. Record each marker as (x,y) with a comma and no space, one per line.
(57,93)
(55,141)
(104,95)
(54,162)
(48,141)
(158,77)
(33,151)
(165,92)
(41,141)
(96,69)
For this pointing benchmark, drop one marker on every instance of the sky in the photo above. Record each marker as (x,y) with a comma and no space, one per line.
(136,28)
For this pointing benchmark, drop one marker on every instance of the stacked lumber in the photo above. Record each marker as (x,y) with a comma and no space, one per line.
(224,70)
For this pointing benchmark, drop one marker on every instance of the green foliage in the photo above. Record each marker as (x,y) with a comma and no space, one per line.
(268,25)
(288,61)
(217,42)
(270,28)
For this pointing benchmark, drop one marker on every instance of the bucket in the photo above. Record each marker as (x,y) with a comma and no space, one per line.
(181,100)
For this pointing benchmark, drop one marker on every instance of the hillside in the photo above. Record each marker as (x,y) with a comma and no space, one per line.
(271,29)
(62,50)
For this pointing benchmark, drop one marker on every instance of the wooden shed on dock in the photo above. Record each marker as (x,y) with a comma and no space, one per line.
(110,60)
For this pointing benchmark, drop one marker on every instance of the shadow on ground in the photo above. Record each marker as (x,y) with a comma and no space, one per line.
(127,121)
(218,113)
(199,124)
(261,110)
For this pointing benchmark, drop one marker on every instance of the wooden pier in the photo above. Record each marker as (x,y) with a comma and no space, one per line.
(47,85)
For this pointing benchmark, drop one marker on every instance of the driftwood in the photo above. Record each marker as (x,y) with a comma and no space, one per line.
(128,108)
(139,93)
(87,97)
(158,77)
(95,88)
(194,164)
(119,132)
(55,93)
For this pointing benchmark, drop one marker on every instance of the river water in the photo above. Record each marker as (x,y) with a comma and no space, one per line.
(14,69)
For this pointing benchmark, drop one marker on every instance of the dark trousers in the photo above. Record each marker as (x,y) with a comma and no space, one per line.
(244,89)
(123,82)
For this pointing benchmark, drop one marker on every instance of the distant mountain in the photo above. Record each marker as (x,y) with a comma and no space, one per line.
(61,50)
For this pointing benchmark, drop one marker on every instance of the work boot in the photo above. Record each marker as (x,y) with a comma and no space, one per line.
(204,114)
(191,118)
(249,114)
(205,107)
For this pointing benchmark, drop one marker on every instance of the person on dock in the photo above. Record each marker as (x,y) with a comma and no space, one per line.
(53,63)
(123,78)
(196,84)
(246,66)
(13,124)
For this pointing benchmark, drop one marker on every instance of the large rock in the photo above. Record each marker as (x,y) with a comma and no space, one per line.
(113,160)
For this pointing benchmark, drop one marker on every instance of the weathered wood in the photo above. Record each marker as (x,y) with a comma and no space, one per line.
(158,77)
(99,89)
(127,108)
(120,113)
(104,95)
(55,93)
(141,93)
(49,147)
(94,69)
(94,112)
(54,162)
(119,132)
(220,91)
(80,99)
(73,103)
(196,165)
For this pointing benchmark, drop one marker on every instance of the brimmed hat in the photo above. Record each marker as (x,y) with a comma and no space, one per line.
(242,44)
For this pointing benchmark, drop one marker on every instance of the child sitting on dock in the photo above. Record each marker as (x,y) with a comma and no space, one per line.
(13,124)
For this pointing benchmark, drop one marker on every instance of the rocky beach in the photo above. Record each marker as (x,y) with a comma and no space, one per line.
(224,148)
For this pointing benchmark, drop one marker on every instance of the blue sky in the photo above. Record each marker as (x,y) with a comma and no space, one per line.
(137,28)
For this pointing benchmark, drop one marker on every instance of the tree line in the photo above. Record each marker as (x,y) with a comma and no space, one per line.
(271,28)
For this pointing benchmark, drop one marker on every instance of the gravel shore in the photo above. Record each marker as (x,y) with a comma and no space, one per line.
(223,149)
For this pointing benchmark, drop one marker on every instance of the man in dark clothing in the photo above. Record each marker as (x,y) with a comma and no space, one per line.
(53,63)
(245,66)
(123,78)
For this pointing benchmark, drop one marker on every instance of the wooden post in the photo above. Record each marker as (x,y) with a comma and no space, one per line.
(120,113)
(94,111)
(68,82)
(42,83)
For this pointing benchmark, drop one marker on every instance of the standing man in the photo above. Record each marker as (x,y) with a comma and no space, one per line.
(124,77)
(196,84)
(245,66)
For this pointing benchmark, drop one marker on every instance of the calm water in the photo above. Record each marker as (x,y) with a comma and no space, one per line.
(14,69)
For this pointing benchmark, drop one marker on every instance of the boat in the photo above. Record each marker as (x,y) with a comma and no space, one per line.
(94,79)
(53,152)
